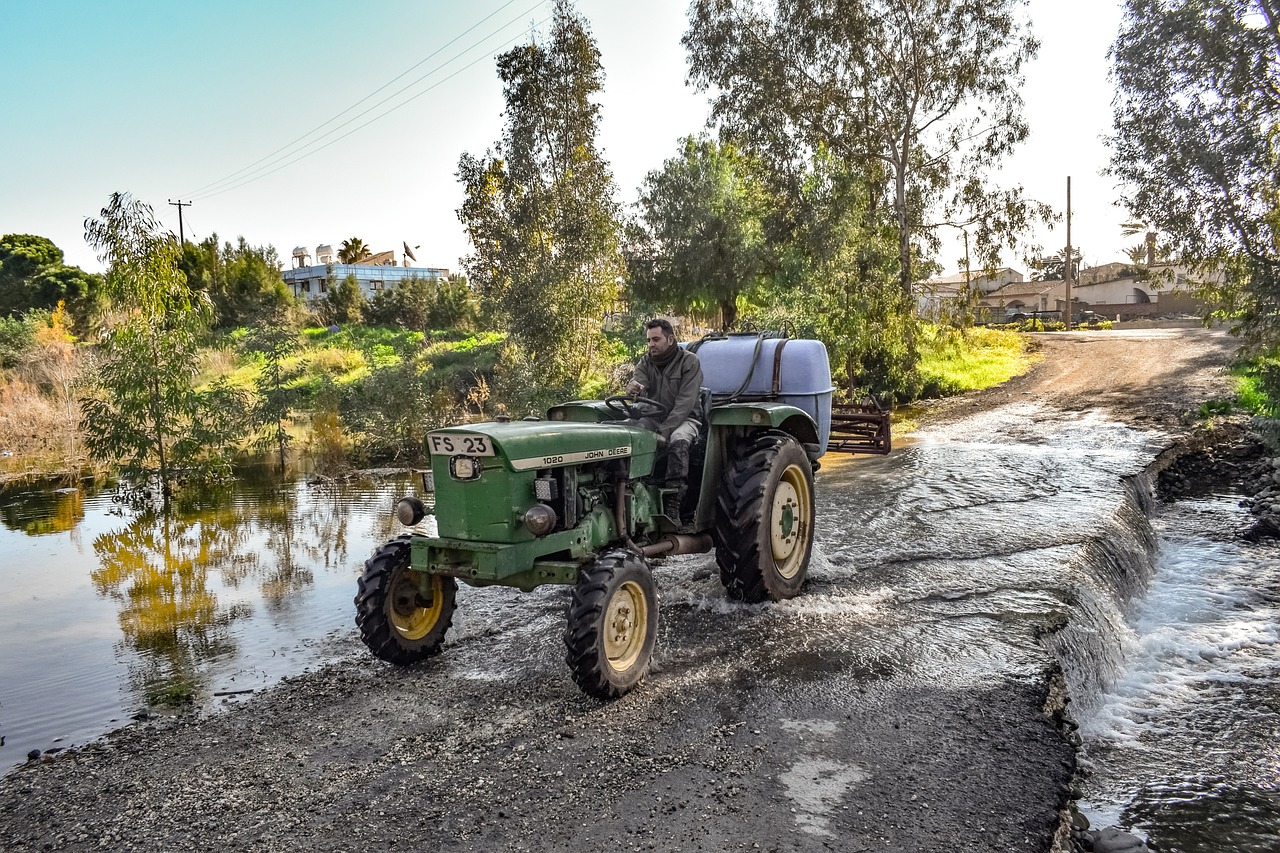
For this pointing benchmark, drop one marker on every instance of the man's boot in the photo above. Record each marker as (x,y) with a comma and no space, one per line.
(678,476)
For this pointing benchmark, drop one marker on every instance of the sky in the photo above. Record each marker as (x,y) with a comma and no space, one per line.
(266,116)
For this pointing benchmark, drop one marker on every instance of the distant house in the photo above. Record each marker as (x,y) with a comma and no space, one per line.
(936,295)
(1026,297)
(373,274)
(1125,291)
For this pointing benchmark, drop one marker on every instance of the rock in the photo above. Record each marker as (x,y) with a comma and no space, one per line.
(1266,527)
(33,755)
(1079,821)
(1112,840)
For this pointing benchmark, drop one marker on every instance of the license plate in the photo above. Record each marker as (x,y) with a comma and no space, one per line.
(454,444)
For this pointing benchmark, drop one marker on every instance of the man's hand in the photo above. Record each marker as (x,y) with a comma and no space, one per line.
(635,389)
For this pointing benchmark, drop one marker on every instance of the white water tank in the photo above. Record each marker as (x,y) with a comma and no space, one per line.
(324,254)
(746,365)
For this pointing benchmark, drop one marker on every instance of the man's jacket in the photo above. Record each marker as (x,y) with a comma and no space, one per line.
(673,382)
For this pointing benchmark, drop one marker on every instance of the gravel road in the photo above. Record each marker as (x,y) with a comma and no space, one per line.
(716,751)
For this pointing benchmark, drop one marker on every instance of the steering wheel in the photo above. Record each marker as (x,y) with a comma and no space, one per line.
(636,408)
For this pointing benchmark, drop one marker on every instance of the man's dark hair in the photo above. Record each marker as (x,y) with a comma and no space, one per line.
(659,323)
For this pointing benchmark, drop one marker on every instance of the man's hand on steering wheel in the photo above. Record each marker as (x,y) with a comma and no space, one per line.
(636,407)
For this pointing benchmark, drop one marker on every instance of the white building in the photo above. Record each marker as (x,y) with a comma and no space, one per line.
(373,274)
(936,296)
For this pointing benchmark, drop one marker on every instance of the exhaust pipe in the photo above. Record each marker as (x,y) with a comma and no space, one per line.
(678,543)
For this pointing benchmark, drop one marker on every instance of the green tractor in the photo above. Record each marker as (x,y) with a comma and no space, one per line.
(578,498)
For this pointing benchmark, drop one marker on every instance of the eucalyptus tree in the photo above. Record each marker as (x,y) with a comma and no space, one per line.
(922,95)
(143,409)
(540,207)
(699,239)
(1196,121)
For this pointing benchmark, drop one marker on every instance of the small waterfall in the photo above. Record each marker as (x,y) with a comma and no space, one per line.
(1108,571)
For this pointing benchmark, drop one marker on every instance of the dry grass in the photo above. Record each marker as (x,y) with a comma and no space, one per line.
(38,432)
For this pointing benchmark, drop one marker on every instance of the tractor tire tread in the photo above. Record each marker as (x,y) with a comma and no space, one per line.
(376,630)
(585,611)
(740,513)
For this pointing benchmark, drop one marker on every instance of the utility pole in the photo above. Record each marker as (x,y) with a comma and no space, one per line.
(181,204)
(969,301)
(1067,265)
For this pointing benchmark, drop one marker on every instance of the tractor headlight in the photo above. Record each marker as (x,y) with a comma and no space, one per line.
(545,489)
(540,519)
(410,510)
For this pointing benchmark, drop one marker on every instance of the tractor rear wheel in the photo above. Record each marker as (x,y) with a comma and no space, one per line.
(764,520)
(612,624)
(402,615)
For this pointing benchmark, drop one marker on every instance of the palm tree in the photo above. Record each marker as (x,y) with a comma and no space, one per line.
(1050,267)
(353,251)
(1151,252)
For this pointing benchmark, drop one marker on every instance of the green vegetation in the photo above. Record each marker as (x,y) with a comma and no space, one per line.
(954,361)
(1196,109)
(1258,385)
(540,208)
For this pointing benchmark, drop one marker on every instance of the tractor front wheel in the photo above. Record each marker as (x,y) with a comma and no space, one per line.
(402,614)
(612,624)
(764,520)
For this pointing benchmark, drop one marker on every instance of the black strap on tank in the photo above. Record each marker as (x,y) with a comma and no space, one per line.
(777,367)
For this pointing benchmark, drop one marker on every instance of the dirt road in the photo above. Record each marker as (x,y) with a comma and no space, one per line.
(762,728)
(1143,377)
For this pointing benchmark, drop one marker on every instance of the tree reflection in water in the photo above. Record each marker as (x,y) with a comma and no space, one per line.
(38,511)
(167,569)
(157,567)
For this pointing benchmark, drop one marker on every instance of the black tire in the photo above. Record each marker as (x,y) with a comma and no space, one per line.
(764,520)
(612,624)
(396,622)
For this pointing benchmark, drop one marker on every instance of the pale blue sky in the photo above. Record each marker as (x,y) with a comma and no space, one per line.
(164,99)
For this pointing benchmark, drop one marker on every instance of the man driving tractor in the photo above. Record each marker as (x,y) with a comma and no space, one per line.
(672,377)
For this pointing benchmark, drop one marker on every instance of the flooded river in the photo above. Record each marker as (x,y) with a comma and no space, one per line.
(974,553)
(110,611)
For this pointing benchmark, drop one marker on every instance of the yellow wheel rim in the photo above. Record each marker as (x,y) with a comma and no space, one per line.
(789,522)
(626,624)
(413,613)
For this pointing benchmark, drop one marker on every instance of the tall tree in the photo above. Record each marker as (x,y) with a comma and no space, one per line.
(1052,267)
(243,281)
(837,277)
(699,239)
(353,251)
(923,92)
(540,210)
(143,409)
(32,275)
(1196,121)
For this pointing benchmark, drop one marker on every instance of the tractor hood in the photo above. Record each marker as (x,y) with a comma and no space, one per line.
(530,445)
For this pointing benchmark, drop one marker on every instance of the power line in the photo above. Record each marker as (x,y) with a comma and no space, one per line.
(239,174)
(258,174)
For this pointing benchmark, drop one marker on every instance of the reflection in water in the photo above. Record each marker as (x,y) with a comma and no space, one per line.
(230,590)
(39,511)
(158,567)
